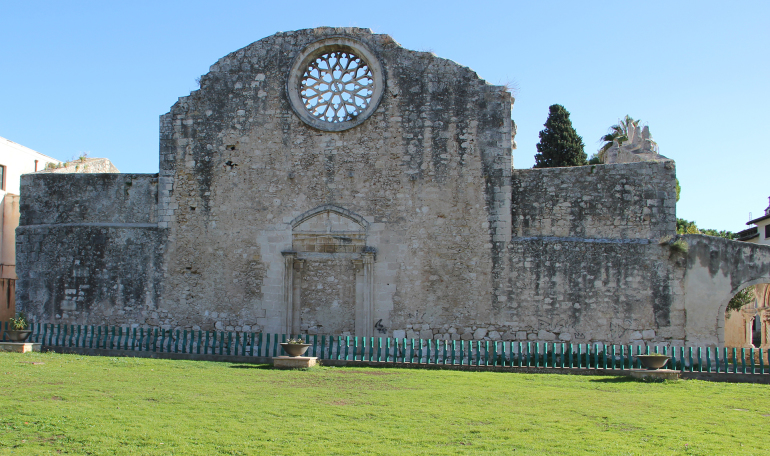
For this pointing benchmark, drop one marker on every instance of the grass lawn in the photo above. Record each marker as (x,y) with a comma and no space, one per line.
(72,404)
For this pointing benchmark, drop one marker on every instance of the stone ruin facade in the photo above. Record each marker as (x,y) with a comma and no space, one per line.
(330,181)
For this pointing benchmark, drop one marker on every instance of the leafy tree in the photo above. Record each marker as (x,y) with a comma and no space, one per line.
(559,145)
(743,297)
(617,132)
(687,227)
(678,189)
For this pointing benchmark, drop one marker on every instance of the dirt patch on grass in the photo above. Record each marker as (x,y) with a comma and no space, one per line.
(51,439)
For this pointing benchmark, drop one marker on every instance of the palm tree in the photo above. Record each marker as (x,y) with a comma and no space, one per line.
(619,133)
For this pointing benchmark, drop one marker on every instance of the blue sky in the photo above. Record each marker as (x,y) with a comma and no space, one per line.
(94,76)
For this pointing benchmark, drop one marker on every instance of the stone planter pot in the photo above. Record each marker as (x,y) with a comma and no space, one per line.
(17,335)
(652,361)
(295,349)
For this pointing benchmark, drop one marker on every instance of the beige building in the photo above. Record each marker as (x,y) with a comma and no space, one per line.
(750,326)
(15,160)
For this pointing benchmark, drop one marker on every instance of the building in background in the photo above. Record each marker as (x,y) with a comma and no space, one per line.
(760,232)
(15,160)
(750,326)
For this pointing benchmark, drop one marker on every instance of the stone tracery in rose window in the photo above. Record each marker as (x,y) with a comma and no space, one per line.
(337,86)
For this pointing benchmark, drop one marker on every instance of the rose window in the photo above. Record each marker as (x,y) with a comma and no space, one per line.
(337,86)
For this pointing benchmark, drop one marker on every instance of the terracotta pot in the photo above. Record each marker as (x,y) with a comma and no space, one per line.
(653,361)
(19,335)
(295,349)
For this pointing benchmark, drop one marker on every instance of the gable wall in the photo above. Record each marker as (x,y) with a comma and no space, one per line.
(429,171)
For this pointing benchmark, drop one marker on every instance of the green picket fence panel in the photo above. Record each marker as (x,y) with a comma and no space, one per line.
(545,355)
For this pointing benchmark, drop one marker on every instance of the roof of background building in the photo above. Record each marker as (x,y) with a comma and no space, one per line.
(23,149)
(748,234)
(750,222)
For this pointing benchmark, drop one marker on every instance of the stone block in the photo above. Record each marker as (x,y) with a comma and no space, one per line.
(480,333)
(19,347)
(294,362)
(658,374)
(545,335)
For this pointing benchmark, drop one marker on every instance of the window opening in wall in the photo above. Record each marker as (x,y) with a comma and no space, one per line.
(767,231)
(337,86)
(2,177)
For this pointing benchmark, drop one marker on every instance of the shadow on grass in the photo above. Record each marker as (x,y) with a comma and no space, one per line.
(251,366)
(622,379)
(625,379)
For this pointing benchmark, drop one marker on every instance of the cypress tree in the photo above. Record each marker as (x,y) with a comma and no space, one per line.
(559,143)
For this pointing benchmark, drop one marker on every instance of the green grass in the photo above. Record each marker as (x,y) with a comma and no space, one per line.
(73,404)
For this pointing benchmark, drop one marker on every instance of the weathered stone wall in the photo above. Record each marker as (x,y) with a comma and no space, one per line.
(328,288)
(88,198)
(592,290)
(584,257)
(90,248)
(90,274)
(428,172)
(629,201)
(409,223)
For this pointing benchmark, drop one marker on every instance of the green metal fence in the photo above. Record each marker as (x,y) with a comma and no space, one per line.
(546,355)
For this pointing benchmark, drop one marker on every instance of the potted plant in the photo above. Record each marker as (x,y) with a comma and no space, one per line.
(18,328)
(295,347)
(653,361)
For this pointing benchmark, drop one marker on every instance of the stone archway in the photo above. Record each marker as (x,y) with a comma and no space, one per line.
(716,269)
(749,327)
(329,274)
